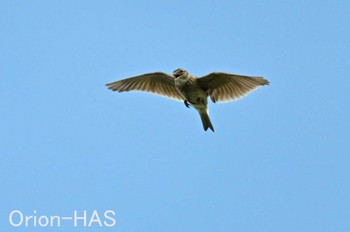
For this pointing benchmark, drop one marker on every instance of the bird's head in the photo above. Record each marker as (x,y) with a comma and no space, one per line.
(180,72)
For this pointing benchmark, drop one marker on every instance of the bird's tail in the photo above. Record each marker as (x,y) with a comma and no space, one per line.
(206,120)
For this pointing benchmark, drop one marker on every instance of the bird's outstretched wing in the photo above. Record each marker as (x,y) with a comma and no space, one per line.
(224,87)
(157,82)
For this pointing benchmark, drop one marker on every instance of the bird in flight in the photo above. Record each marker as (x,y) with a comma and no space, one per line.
(193,91)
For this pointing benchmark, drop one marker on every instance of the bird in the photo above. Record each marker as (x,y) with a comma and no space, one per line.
(193,91)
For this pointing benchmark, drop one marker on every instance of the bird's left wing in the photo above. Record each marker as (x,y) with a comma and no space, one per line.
(224,87)
(157,82)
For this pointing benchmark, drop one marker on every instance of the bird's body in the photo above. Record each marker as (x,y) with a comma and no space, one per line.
(193,94)
(193,91)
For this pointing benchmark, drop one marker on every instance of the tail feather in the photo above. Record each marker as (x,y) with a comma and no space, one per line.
(206,120)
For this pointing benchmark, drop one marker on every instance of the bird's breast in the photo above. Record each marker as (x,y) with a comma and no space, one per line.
(191,91)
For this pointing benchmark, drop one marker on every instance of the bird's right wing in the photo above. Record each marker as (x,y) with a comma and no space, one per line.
(157,82)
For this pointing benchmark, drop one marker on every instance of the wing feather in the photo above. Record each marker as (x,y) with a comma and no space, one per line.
(223,87)
(157,82)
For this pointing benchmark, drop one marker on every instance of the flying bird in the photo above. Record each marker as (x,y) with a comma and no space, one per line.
(193,91)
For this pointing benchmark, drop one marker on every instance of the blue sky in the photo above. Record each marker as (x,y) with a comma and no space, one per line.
(278,160)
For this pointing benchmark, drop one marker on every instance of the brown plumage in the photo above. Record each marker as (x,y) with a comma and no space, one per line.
(221,87)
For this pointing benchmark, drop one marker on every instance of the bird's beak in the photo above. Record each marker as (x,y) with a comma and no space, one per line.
(176,75)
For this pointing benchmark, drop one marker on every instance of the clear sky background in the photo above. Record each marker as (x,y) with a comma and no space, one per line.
(278,160)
